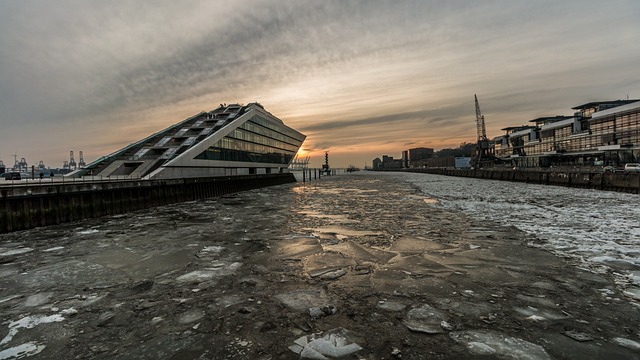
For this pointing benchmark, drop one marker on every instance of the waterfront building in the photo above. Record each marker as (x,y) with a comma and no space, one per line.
(419,157)
(376,164)
(599,133)
(388,162)
(229,140)
(405,158)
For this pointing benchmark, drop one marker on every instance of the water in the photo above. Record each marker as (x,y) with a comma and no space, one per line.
(389,255)
(598,228)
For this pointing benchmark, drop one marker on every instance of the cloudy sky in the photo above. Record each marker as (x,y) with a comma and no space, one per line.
(359,78)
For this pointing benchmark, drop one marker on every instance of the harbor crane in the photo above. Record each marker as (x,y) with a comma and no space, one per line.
(483,153)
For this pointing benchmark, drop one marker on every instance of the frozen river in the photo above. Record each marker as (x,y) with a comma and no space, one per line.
(599,228)
(363,265)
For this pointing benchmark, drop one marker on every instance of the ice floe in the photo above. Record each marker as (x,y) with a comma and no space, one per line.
(18,251)
(490,343)
(21,351)
(333,344)
(29,322)
(426,319)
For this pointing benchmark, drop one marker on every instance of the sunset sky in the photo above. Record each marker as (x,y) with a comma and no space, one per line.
(359,78)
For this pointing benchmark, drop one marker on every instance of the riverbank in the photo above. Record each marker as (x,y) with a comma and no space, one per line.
(618,181)
(362,264)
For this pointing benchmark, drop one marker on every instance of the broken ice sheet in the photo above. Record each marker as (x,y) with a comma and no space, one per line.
(490,343)
(333,344)
(425,319)
(29,322)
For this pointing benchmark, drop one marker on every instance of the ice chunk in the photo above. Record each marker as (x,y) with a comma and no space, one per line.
(88,232)
(391,305)
(633,293)
(38,299)
(197,276)
(29,322)
(21,351)
(577,336)
(335,343)
(485,342)
(214,249)
(56,248)
(425,319)
(629,344)
(16,251)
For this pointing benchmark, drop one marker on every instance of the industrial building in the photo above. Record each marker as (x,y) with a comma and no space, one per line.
(419,157)
(599,133)
(229,140)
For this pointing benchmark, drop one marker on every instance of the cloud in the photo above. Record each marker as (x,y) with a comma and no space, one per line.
(352,73)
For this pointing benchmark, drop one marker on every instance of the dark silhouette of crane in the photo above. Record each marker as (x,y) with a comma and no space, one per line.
(72,162)
(483,153)
(81,162)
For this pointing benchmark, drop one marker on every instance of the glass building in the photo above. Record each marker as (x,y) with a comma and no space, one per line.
(599,133)
(230,140)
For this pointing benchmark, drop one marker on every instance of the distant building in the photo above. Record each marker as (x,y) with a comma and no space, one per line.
(405,158)
(376,164)
(419,157)
(388,162)
(230,140)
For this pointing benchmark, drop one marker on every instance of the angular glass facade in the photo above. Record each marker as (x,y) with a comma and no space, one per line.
(258,140)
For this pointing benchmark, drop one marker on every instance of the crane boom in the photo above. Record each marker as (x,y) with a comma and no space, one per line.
(481,129)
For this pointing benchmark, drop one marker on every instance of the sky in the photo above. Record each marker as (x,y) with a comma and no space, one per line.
(361,78)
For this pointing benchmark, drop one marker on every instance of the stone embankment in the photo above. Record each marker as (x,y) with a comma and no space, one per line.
(25,206)
(619,181)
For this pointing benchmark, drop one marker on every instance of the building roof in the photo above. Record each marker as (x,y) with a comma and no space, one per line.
(614,110)
(550,119)
(518,128)
(609,103)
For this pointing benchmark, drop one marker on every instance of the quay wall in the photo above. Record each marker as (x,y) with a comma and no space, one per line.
(42,204)
(623,182)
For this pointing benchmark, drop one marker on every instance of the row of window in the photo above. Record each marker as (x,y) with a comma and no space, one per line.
(261,130)
(618,129)
(236,144)
(244,135)
(277,127)
(221,154)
